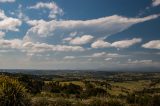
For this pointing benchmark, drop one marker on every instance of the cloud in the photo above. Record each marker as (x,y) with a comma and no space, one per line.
(20,13)
(43,47)
(3,1)
(69,57)
(100,44)
(68,39)
(35,22)
(52,6)
(117,44)
(115,55)
(2,34)
(101,27)
(101,54)
(154,44)
(106,55)
(9,23)
(140,62)
(80,40)
(14,43)
(2,15)
(30,47)
(155,3)
(126,43)
(108,59)
(72,34)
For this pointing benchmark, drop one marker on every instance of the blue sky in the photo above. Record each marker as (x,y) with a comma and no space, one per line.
(80,34)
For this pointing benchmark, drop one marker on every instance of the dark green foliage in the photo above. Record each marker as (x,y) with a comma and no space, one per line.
(91,90)
(144,100)
(96,92)
(131,98)
(72,89)
(12,93)
(33,86)
(56,87)
(156,100)
(53,87)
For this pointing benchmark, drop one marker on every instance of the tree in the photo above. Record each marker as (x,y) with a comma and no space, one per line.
(72,89)
(33,86)
(54,87)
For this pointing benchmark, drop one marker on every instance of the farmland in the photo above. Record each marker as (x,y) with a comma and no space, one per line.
(90,88)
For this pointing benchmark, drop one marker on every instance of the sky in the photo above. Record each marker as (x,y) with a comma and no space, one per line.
(80,34)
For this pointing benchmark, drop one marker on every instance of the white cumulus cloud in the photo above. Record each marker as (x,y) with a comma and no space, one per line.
(154,44)
(156,2)
(101,27)
(43,47)
(126,43)
(81,40)
(100,44)
(9,23)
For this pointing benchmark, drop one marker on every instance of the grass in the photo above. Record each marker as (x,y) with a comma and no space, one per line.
(80,83)
(132,85)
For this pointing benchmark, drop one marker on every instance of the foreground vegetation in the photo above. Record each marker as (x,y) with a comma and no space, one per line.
(76,89)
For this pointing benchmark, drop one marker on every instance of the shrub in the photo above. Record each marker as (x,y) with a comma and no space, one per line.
(12,93)
(143,100)
(96,92)
(72,89)
(33,86)
(55,87)
(131,98)
(156,100)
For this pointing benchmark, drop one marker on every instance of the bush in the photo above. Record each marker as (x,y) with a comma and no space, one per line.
(12,93)
(96,92)
(156,100)
(144,100)
(55,87)
(33,86)
(131,98)
(72,89)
